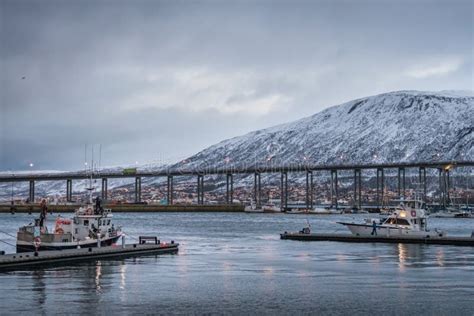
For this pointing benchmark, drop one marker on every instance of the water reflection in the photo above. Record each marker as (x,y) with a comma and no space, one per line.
(223,263)
(39,287)
(402,256)
(440,257)
(98,274)
(123,274)
(414,256)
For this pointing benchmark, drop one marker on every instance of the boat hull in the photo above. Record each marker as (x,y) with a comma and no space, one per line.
(271,210)
(24,246)
(366,230)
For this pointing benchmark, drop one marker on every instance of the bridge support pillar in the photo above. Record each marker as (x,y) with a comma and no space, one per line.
(448,186)
(104,189)
(69,190)
(230,188)
(284,191)
(357,188)
(309,189)
(380,187)
(200,189)
(31,197)
(401,182)
(169,191)
(334,189)
(444,186)
(440,183)
(257,189)
(138,189)
(422,180)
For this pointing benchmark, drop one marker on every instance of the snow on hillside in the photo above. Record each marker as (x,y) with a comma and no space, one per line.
(402,126)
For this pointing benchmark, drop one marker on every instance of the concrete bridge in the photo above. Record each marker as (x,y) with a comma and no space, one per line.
(444,168)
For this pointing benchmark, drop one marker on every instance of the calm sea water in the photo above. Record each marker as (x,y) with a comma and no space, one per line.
(236,264)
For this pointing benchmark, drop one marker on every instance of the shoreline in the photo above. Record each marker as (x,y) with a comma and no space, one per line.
(120,208)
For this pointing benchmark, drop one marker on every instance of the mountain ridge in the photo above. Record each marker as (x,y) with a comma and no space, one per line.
(400,126)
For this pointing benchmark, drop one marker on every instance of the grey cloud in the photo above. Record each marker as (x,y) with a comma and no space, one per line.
(87,68)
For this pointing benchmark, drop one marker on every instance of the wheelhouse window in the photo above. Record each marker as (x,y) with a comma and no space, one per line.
(397,221)
(401,221)
(86,222)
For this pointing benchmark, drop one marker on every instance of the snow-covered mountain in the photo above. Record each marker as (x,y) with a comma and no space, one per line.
(402,126)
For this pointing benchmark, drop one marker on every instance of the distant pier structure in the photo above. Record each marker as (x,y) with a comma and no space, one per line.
(444,169)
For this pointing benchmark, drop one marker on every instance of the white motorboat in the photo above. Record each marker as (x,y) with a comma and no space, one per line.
(324,211)
(252,208)
(409,219)
(271,207)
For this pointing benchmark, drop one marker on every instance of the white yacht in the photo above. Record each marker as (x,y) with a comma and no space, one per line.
(409,219)
(324,211)
(252,208)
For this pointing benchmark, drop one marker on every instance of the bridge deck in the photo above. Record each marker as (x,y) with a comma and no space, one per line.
(229,170)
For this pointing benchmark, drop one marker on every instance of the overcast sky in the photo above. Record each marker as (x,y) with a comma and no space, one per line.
(158,81)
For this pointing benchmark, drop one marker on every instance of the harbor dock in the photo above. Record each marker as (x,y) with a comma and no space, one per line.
(455,241)
(30,260)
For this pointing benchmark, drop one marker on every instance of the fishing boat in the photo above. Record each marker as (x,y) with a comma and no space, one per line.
(408,219)
(91,226)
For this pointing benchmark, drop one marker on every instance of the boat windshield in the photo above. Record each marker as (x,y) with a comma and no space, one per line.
(397,221)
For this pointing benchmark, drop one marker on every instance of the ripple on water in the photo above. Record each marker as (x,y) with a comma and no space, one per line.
(236,263)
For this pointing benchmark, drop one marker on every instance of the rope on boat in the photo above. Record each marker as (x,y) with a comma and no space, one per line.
(6,242)
(1,231)
(13,245)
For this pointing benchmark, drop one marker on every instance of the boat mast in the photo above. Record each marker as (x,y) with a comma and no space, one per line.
(89,170)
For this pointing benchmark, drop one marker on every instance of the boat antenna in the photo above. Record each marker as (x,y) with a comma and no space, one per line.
(85,158)
(90,170)
(100,156)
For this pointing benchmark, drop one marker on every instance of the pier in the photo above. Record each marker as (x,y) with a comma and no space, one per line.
(23,260)
(454,241)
